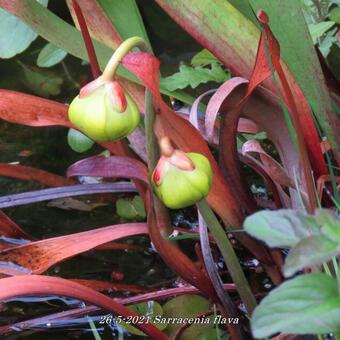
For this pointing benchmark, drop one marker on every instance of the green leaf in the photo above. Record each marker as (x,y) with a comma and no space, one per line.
(311,251)
(334,15)
(182,307)
(126,18)
(280,228)
(149,309)
(78,141)
(204,58)
(319,29)
(307,304)
(194,76)
(42,82)
(50,55)
(131,209)
(330,224)
(203,331)
(15,36)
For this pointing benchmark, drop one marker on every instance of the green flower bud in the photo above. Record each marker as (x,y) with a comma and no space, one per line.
(103,112)
(181,179)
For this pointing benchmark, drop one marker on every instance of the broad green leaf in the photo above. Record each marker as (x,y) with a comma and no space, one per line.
(296,45)
(319,29)
(41,82)
(309,252)
(334,15)
(78,141)
(330,223)
(307,304)
(126,18)
(50,55)
(131,209)
(15,36)
(280,228)
(194,76)
(181,307)
(149,310)
(203,58)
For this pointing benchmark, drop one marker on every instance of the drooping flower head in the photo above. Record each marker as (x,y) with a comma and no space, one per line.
(181,179)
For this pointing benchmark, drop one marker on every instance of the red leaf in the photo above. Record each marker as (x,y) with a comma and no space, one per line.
(20,108)
(33,285)
(9,228)
(32,174)
(38,256)
(110,286)
(307,137)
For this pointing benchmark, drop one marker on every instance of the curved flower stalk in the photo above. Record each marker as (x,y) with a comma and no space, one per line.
(102,110)
(181,179)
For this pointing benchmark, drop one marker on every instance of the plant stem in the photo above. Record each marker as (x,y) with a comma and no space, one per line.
(95,69)
(120,53)
(229,255)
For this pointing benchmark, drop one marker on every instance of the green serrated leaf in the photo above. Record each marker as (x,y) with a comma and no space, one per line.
(310,251)
(15,36)
(307,304)
(280,228)
(50,55)
(204,58)
(319,29)
(42,82)
(194,76)
(131,209)
(330,223)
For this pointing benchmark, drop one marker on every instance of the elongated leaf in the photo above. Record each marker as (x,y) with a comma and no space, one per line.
(37,257)
(9,228)
(109,286)
(13,287)
(32,174)
(35,111)
(125,16)
(304,305)
(274,168)
(281,228)
(15,36)
(50,55)
(66,191)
